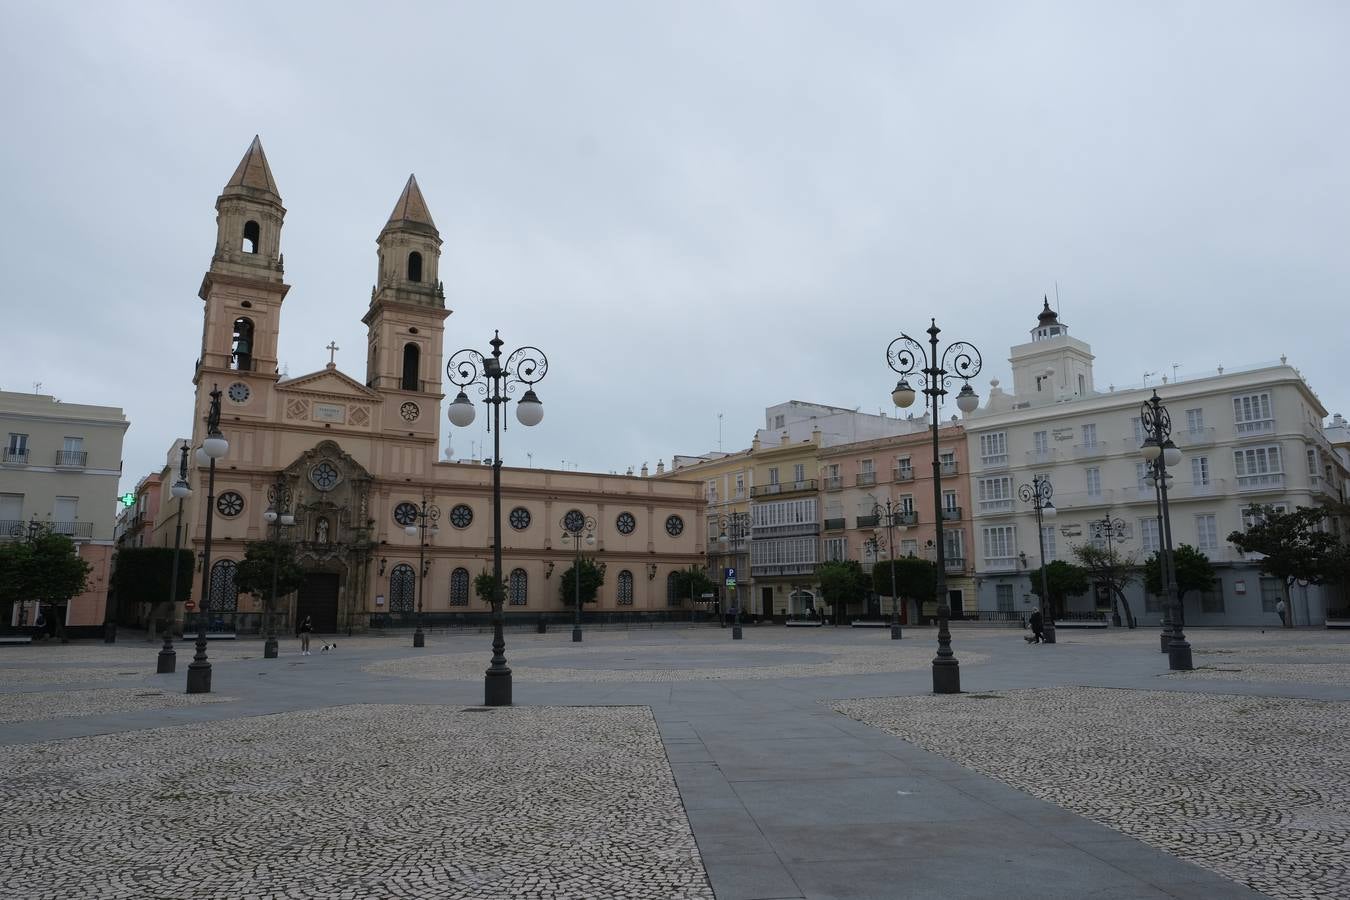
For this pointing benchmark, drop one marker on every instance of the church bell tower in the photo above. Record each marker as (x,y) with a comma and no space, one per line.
(407,304)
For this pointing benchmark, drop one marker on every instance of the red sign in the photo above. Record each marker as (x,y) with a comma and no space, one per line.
(190,605)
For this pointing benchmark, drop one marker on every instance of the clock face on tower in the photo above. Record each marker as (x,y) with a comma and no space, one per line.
(409,411)
(239,392)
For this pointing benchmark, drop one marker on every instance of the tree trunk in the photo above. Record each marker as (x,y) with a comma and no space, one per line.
(1120,595)
(1288,605)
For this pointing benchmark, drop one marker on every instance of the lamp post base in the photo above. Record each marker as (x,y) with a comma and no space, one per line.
(199,677)
(895,631)
(1179,655)
(270,647)
(497,687)
(946,676)
(110,633)
(419,639)
(1165,641)
(166,662)
(1048,633)
(576,634)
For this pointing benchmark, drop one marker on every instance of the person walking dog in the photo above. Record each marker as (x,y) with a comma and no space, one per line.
(306,628)
(1037,634)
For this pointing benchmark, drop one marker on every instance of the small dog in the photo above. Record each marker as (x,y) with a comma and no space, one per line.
(327,647)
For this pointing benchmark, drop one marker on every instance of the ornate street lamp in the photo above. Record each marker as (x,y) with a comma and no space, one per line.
(495,382)
(1112,531)
(213,448)
(733,527)
(1162,454)
(886,514)
(577,526)
(279,516)
(1038,493)
(167,660)
(428,515)
(906,356)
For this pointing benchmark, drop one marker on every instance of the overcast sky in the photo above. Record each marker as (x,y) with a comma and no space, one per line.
(693,208)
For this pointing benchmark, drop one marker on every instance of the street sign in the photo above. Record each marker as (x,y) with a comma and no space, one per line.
(190,605)
(730,575)
(128,499)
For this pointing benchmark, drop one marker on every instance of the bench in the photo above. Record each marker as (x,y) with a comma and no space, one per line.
(803,623)
(16,639)
(869,623)
(1081,623)
(1338,623)
(218,636)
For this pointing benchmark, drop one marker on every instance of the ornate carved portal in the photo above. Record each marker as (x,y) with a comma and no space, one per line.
(332,532)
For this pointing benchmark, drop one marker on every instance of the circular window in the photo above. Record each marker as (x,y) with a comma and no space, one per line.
(230,504)
(674,526)
(409,411)
(574,521)
(461,516)
(625,523)
(239,392)
(519,518)
(324,476)
(405,514)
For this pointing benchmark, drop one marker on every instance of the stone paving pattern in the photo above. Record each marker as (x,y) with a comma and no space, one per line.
(1254,788)
(743,661)
(35,706)
(356,801)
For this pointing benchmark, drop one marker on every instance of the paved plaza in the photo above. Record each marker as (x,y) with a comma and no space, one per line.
(674,762)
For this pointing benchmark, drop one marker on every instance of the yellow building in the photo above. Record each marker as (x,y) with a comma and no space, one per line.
(358,455)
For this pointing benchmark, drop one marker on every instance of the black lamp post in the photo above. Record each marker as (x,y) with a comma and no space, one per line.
(1161,453)
(495,382)
(887,513)
(906,356)
(1112,532)
(734,527)
(577,526)
(1038,493)
(428,515)
(213,448)
(167,661)
(279,516)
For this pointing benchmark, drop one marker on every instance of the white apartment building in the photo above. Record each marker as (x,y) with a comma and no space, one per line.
(1247,437)
(59,467)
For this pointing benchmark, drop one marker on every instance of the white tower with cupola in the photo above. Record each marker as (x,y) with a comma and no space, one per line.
(1052,367)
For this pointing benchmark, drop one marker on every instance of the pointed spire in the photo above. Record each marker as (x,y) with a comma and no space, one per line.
(253,173)
(411,209)
(1048,316)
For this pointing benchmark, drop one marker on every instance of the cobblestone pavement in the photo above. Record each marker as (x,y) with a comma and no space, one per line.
(354,802)
(743,661)
(35,706)
(1296,673)
(14,676)
(1254,788)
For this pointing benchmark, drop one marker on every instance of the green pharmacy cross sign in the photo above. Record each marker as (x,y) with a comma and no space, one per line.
(128,499)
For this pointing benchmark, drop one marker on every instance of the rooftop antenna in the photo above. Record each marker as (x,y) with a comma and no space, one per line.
(37,387)
(530,457)
(1056,296)
(719,432)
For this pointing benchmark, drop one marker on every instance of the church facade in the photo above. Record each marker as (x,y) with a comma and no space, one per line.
(357,458)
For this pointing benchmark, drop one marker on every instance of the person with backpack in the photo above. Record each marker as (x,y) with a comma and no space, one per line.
(1037,633)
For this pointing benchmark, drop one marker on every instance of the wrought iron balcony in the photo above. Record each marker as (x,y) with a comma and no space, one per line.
(74,529)
(907,518)
(865,479)
(16,457)
(868,521)
(12,529)
(954,563)
(949,467)
(786,487)
(767,571)
(836,524)
(71,458)
(903,473)
(951,513)
(834,483)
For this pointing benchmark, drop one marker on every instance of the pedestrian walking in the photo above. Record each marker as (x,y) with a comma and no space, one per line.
(1037,635)
(1279,608)
(306,628)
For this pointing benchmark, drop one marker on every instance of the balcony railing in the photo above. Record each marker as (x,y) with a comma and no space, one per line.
(768,571)
(16,457)
(834,483)
(949,467)
(907,518)
(864,479)
(954,563)
(868,521)
(74,529)
(1199,437)
(836,524)
(996,461)
(903,473)
(73,458)
(1041,457)
(786,487)
(1080,499)
(1088,451)
(1265,482)
(12,528)
(951,513)
(999,563)
(996,506)
(1255,426)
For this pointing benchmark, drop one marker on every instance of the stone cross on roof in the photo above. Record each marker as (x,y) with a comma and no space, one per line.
(332,349)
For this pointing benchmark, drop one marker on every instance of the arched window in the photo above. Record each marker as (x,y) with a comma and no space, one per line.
(411,355)
(224,595)
(402,588)
(625,588)
(251,236)
(459,587)
(519,586)
(414,266)
(242,350)
(672,590)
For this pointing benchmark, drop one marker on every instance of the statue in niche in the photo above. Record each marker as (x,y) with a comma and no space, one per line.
(321,531)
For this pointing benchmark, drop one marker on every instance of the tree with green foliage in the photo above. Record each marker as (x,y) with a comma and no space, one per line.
(1293,546)
(143,574)
(842,582)
(46,570)
(915,578)
(1064,580)
(693,583)
(591,579)
(488,588)
(1194,572)
(1112,568)
(261,560)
